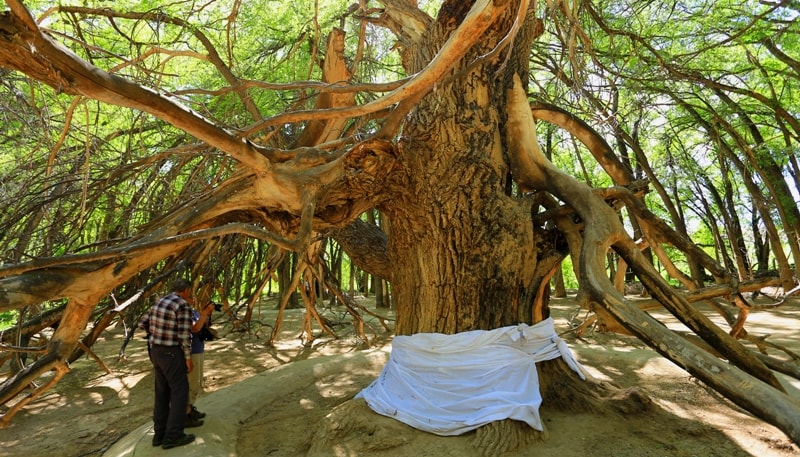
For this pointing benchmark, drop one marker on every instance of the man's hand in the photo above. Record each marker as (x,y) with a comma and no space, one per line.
(209,309)
(189,365)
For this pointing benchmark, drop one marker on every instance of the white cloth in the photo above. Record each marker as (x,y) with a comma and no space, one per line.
(451,384)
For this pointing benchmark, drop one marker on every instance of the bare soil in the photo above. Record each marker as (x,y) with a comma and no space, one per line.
(89,411)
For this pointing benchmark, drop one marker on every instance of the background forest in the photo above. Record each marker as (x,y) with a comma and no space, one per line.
(699,99)
(696,100)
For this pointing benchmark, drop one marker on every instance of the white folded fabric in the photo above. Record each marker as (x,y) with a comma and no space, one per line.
(451,384)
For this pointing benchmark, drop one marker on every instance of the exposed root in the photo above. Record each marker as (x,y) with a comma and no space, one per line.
(564,391)
(498,438)
(630,401)
(353,427)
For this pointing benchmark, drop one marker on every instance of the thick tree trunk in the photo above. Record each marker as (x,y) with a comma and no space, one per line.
(461,247)
(458,272)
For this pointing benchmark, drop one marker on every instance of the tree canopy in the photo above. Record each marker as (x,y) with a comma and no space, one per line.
(498,143)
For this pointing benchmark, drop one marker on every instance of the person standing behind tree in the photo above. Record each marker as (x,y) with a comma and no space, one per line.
(168,325)
(199,320)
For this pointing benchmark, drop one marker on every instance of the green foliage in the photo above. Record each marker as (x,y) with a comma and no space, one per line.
(7,319)
(568,272)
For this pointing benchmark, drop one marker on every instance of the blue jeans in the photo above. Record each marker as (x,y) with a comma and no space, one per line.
(172,391)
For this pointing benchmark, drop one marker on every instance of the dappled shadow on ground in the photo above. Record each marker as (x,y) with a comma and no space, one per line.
(90,410)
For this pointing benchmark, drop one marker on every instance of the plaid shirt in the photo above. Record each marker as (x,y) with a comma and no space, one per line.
(169,323)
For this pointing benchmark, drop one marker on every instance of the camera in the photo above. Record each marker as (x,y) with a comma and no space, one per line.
(217,306)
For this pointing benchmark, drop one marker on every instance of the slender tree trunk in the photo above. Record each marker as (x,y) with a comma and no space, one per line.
(760,202)
(733,225)
(381,300)
(559,289)
(771,175)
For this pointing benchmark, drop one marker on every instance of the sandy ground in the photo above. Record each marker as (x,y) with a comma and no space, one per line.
(288,400)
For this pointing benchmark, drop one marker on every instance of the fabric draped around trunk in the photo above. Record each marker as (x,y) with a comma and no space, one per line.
(451,384)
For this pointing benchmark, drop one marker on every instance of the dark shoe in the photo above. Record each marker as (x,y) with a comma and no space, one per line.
(184,440)
(190,423)
(157,440)
(195,414)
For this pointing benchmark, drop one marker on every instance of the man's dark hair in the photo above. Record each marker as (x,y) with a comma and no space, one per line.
(180,284)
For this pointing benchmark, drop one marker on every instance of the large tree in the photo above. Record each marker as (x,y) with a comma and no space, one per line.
(477,217)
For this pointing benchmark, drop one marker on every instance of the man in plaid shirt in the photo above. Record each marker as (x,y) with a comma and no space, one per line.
(168,325)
